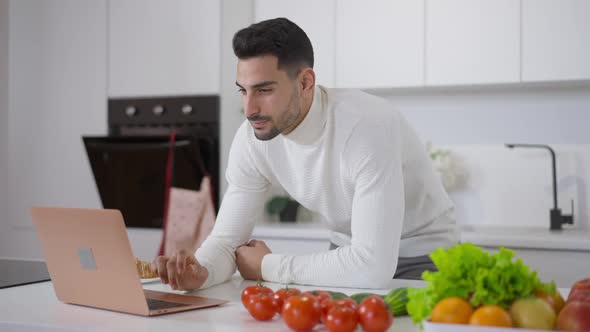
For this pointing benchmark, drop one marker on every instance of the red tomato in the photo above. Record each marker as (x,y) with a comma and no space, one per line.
(341,318)
(282,294)
(301,312)
(320,295)
(327,305)
(261,306)
(253,290)
(374,315)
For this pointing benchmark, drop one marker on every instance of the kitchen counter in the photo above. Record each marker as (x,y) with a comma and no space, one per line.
(16,272)
(35,308)
(554,255)
(528,237)
(491,236)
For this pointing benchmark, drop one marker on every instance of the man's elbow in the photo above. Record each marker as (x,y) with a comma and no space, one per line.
(380,270)
(380,275)
(376,266)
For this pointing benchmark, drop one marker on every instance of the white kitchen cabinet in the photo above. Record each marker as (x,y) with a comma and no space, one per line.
(57,93)
(163,47)
(555,40)
(316,18)
(4,70)
(379,43)
(472,42)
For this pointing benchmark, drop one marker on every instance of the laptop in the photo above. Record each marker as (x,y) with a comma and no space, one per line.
(90,263)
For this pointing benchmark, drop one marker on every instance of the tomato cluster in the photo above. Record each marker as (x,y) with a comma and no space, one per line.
(302,311)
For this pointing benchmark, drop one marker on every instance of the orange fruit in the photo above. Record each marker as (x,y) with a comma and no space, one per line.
(491,315)
(452,310)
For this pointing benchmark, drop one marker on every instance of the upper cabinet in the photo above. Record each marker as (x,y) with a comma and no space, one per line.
(173,47)
(379,43)
(163,47)
(556,40)
(472,41)
(316,18)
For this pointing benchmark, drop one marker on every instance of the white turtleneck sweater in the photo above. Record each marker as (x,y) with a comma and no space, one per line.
(355,161)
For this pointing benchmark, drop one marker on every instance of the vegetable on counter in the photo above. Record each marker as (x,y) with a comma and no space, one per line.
(396,299)
(303,311)
(337,295)
(467,272)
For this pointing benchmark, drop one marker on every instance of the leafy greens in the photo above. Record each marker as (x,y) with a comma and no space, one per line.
(468,272)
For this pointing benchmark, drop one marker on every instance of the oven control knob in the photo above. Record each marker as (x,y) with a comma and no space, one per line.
(186,109)
(158,110)
(131,111)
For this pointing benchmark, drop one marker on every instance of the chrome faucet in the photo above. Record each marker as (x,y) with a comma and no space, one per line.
(556,218)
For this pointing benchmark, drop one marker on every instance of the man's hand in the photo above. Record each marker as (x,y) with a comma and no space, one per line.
(181,270)
(249,259)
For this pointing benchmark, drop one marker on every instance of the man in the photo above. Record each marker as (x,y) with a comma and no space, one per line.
(344,154)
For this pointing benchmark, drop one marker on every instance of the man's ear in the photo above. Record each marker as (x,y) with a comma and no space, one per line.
(307,81)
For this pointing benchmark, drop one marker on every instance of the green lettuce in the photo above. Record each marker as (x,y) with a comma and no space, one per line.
(468,272)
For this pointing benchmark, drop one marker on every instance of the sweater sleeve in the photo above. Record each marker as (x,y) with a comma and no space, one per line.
(242,205)
(372,158)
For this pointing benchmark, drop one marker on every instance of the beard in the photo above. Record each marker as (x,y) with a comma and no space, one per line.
(285,120)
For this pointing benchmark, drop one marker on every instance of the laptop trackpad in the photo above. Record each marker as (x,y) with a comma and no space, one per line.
(182,299)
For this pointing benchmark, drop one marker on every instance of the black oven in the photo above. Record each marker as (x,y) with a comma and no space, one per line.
(129,165)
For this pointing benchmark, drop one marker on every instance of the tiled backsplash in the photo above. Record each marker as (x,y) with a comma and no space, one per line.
(514,186)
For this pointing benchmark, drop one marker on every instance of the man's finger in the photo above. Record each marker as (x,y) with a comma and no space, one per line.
(186,281)
(160,266)
(181,257)
(192,260)
(179,282)
(171,269)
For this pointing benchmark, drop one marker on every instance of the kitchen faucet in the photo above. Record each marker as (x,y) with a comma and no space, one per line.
(556,218)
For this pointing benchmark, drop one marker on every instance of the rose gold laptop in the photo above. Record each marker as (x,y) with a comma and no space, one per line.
(90,262)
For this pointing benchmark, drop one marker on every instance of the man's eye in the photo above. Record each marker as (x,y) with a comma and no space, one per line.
(264,90)
(242,91)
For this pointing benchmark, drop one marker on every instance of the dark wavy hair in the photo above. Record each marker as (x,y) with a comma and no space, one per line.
(279,37)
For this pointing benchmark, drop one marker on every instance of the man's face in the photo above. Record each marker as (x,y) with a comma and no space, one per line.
(271,99)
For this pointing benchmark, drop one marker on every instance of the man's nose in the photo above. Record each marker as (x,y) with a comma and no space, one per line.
(250,106)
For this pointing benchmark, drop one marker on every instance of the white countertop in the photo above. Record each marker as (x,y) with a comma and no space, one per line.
(35,308)
(528,237)
(492,236)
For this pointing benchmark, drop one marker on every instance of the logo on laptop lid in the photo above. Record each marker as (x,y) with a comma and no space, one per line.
(86,259)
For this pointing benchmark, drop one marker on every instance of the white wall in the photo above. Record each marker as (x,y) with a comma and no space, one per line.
(494,115)
(514,187)
(236,14)
(508,187)
(58,93)
(3,117)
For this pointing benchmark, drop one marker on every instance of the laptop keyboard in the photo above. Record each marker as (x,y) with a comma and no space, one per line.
(154,304)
